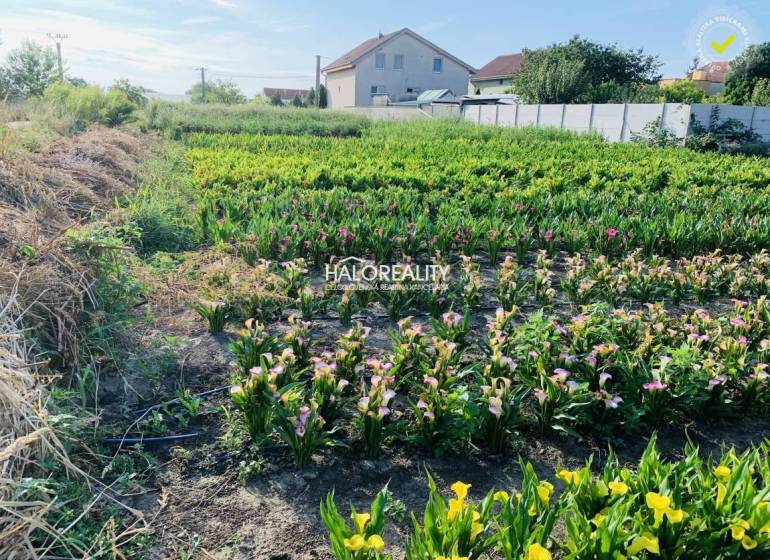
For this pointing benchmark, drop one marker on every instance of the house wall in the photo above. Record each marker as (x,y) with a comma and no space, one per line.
(489,87)
(341,88)
(417,72)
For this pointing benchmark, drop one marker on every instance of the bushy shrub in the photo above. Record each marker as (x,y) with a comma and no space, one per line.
(89,104)
(683,91)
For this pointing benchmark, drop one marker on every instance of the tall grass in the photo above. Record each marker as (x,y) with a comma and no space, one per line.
(176,119)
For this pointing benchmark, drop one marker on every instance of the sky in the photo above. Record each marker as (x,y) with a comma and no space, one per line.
(269,43)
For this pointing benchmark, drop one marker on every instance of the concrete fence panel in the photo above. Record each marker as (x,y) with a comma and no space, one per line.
(608,120)
(528,115)
(506,115)
(676,118)
(551,115)
(762,122)
(488,114)
(577,118)
(618,122)
(471,113)
(638,116)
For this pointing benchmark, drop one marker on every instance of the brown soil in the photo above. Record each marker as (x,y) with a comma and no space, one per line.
(275,515)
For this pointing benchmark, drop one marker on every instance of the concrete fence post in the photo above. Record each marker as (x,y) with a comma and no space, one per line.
(497,113)
(537,118)
(591,119)
(561,121)
(623,124)
(516,116)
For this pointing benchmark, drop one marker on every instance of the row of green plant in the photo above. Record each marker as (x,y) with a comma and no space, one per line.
(179,119)
(604,371)
(399,190)
(690,509)
(584,281)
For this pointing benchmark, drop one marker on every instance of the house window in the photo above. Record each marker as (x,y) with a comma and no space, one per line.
(379,61)
(438,65)
(398,62)
(377,89)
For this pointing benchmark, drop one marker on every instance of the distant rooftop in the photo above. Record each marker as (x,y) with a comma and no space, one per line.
(503,66)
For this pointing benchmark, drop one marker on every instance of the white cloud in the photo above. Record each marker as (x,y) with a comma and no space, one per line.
(200,20)
(227,4)
(163,59)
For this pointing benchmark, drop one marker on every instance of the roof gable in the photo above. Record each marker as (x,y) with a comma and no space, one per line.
(502,66)
(351,57)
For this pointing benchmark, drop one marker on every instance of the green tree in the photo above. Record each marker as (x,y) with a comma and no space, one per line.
(578,71)
(761,94)
(752,65)
(29,70)
(220,91)
(276,100)
(310,98)
(322,96)
(549,77)
(135,93)
(683,91)
(297,101)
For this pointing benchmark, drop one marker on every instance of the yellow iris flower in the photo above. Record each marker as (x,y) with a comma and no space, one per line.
(461,489)
(501,496)
(570,477)
(538,552)
(618,488)
(722,473)
(738,531)
(645,541)
(361,519)
(661,505)
(375,543)
(748,543)
(476,530)
(544,491)
(455,508)
(355,543)
(721,493)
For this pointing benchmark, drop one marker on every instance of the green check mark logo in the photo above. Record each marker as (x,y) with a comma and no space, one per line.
(721,47)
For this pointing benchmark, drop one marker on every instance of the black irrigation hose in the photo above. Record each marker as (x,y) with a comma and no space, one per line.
(120,441)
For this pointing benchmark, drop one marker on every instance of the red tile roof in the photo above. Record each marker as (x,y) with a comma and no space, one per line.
(716,71)
(350,57)
(286,94)
(503,65)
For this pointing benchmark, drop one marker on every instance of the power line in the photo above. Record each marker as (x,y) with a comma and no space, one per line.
(203,83)
(260,76)
(58,38)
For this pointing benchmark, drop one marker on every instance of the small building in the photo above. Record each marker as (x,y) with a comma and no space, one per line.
(496,76)
(429,97)
(394,67)
(710,78)
(287,95)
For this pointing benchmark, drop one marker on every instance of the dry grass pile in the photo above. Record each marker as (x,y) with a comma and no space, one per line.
(44,194)
(25,439)
(43,293)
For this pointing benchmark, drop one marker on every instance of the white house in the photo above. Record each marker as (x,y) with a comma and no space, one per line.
(401,64)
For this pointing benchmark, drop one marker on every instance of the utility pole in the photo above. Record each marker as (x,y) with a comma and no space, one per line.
(58,38)
(318,80)
(203,83)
